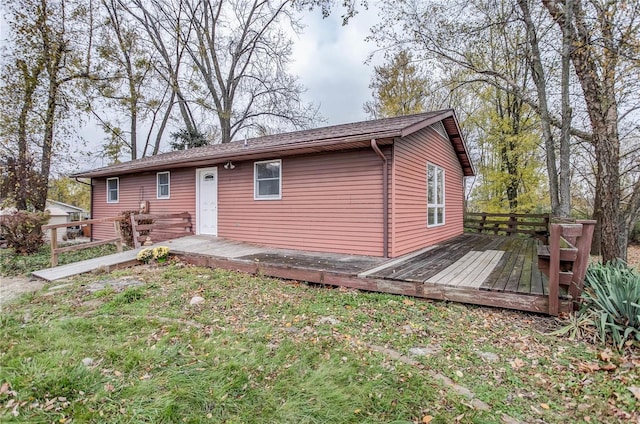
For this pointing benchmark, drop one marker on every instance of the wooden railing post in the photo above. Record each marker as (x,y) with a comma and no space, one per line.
(511,226)
(134,231)
(54,246)
(554,269)
(118,231)
(582,261)
(482,222)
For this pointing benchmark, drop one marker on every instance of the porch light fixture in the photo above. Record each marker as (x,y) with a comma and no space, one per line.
(229,165)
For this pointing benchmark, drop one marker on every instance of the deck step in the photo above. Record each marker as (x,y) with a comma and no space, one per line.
(566,277)
(569,254)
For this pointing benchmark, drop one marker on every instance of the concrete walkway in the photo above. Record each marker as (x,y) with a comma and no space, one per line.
(109,262)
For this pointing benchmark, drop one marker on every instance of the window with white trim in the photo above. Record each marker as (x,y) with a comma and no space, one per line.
(163,181)
(267,177)
(435,195)
(113,189)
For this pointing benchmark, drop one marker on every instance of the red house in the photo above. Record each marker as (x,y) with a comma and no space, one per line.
(381,188)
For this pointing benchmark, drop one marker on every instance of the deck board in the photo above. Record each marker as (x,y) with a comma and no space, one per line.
(518,266)
(485,266)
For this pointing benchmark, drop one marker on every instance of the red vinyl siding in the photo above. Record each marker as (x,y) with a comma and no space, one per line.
(138,187)
(409,192)
(331,202)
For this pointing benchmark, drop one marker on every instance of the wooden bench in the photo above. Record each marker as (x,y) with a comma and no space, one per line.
(565,259)
(159,227)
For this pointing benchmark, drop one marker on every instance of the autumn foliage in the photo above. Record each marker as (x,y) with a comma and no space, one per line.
(23,231)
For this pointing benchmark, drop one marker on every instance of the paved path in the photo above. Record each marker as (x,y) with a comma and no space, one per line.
(108,262)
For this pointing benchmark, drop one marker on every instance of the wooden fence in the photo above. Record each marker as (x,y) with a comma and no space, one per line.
(510,224)
(55,250)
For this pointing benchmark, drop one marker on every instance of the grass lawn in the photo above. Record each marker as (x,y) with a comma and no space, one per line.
(259,350)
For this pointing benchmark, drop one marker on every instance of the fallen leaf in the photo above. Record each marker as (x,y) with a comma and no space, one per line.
(517,363)
(588,367)
(459,373)
(427,419)
(4,388)
(544,405)
(605,355)
(109,388)
(408,302)
(609,367)
(636,391)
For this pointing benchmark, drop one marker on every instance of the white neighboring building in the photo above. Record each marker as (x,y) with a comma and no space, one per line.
(59,213)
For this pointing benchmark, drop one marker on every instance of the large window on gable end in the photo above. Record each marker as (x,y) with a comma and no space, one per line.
(163,185)
(113,190)
(435,195)
(267,180)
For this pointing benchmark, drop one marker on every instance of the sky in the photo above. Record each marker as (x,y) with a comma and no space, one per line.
(329,59)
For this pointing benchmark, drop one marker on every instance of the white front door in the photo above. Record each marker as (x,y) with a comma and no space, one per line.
(207,201)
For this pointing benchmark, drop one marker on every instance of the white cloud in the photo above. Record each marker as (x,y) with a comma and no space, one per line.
(329,60)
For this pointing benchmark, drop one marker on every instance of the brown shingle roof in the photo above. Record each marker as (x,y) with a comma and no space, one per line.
(335,137)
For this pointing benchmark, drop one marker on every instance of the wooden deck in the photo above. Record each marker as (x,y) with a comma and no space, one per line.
(479,269)
(489,270)
(485,262)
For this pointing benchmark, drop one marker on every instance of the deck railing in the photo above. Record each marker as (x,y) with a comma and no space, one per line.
(159,227)
(564,255)
(510,224)
(565,259)
(55,250)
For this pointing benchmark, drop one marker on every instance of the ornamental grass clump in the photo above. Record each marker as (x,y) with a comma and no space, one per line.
(612,297)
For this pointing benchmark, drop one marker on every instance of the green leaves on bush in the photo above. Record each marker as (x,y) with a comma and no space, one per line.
(612,297)
(23,230)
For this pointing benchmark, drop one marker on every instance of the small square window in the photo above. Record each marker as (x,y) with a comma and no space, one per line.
(113,190)
(163,182)
(268,180)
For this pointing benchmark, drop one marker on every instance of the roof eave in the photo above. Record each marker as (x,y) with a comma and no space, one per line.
(287,150)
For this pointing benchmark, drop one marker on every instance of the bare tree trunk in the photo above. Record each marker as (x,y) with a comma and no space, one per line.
(596,241)
(163,124)
(22,164)
(597,76)
(565,131)
(537,73)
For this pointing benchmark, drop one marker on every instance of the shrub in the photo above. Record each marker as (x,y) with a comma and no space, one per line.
(125,227)
(612,295)
(127,231)
(161,253)
(145,255)
(23,231)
